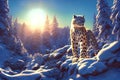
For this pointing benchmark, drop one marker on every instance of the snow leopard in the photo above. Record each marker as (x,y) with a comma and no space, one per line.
(79,38)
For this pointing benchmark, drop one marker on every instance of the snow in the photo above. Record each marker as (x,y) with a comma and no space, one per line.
(116,29)
(30,76)
(53,73)
(115,10)
(36,61)
(65,65)
(90,67)
(62,67)
(103,21)
(4,54)
(109,52)
(99,66)
(112,74)
(72,68)
(75,77)
(59,52)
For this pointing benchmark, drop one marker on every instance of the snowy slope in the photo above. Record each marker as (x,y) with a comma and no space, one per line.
(9,60)
(58,66)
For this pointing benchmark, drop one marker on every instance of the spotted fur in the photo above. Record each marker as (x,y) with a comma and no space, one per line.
(79,38)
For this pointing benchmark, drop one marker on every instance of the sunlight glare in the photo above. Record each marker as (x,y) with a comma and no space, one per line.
(36,18)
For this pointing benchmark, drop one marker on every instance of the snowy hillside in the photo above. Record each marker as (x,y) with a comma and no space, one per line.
(58,66)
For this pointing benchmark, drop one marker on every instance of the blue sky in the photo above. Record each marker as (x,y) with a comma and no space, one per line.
(62,9)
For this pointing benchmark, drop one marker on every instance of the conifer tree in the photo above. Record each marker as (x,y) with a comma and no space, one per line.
(4,17)
(115,17)
(103,21)
(6,36)
(55,31)
(115,10)
(95,29)
(47,25)
(116,29)
(46,35)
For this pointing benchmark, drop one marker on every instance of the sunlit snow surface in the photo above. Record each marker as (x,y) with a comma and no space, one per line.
(58,66)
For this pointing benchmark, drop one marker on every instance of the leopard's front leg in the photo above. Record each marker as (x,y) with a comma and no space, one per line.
(83,46)
(75,45)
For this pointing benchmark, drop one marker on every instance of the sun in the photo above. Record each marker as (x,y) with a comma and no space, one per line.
(36,18)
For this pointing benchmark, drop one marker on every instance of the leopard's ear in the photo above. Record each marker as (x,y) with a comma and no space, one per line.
(74,16)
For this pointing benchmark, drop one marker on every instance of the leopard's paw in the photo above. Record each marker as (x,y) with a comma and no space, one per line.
(74,59)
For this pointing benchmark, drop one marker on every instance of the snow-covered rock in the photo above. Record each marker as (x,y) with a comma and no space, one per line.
(11,60)
(65,65)
(52,73)
(15,63)
(55,63)
(112,74)
(75,77)
(46,57)
(109,52)
(90,67)
(59,52)
(72,68)
(35,62)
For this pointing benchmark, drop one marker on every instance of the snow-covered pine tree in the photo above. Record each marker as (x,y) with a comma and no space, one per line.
(15,27)
(94,22)
(22,33)
(54,26)
(115,10)
(95,29)
(6,36)
(15,23)
(54,31)
(116,29)
(10,22)
(46,37)
(103,21)
(4,17)
(18,29)
(115,17)
(47,24)
(64,36)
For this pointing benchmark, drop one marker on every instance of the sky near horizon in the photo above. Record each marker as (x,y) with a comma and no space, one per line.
(62,9)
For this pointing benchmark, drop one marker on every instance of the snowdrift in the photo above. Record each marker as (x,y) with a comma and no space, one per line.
(58,66)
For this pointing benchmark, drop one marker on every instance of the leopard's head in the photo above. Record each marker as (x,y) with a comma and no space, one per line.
(78,20)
